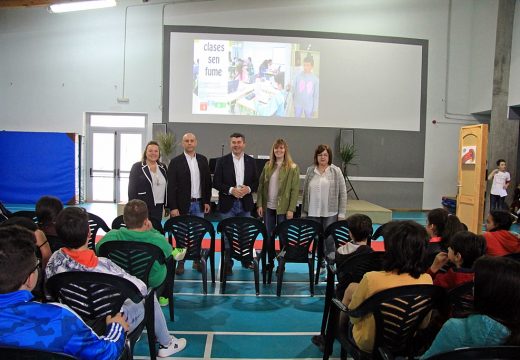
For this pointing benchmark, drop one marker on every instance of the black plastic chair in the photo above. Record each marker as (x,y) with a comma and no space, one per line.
(118,223)
(137,258)
(94,295)
(514,256)
(398,312)
(339,232)
(17,353)
(188,232)
(379,232)
(481,353)
(30,214)
(349,271)
(460,300)
(95,223)
(241,234)
(298,242)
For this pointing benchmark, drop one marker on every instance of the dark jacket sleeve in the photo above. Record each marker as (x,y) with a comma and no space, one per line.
(205,180)
(218,177)
(132,181)
(172,186)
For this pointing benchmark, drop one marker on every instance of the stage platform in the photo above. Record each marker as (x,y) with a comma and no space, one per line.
(378,214)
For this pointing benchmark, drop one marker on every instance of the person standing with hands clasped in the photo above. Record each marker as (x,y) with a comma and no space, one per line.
(324,193)
(501,179)
(278,187)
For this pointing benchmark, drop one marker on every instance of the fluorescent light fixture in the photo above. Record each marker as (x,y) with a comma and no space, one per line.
(81,5)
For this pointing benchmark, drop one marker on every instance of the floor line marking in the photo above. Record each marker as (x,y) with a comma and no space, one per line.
(244,333)
(251,295)
(209,346)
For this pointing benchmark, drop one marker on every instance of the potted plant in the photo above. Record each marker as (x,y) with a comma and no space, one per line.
(347,153)
(167,145)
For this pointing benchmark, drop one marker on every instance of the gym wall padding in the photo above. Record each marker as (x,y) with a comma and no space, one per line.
(36,164)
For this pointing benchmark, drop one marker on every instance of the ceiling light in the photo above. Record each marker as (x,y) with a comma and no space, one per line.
(81,5)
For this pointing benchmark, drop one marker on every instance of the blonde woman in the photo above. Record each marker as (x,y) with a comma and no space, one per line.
(278,186)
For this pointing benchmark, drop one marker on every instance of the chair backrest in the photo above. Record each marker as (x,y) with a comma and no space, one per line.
(16,353)
(92,295)
(339,232)
(30,214)
(398,312)
(241,232)
(188,232)
(95,223)
(135,257)
(514,256)
(460,300)
(353,269)
(298,238)
(481,353)
(119,222)
(379,232)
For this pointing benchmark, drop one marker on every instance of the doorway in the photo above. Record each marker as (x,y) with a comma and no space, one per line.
(115,143)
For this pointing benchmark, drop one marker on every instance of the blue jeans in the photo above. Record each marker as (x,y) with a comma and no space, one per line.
(134,315)
(236,210)
(196,209)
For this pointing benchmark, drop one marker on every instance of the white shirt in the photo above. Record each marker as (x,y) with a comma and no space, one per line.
(272,191)
(319,195)
(500,179)
(194,175)
(238,162)
(158,186)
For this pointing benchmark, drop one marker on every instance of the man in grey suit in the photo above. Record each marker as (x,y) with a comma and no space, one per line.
(189,186)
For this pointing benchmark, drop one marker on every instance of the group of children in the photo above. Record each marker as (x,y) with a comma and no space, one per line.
(444,254)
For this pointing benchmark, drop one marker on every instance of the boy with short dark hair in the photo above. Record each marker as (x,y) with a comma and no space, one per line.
(51,327)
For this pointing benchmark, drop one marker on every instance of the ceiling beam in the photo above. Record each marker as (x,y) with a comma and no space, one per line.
(30,3)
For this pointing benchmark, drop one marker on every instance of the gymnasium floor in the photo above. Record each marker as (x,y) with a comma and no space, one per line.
(238,324)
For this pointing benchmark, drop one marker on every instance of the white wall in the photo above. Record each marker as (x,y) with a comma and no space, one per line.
(54,68)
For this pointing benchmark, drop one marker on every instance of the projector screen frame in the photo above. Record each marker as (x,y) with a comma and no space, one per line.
(169,29)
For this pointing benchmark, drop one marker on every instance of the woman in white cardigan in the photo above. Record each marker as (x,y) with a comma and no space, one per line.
(324,193)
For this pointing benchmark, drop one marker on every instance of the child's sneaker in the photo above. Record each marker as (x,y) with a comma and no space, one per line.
(178,254)
(163,301)
(173,347)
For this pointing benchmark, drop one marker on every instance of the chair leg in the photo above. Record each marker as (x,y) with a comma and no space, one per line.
(311,275)
(223,271)
(150,325)
(204,264)
(264,268)
(257,277)
(329,293)
(281,270)
(212,265)
(169,288)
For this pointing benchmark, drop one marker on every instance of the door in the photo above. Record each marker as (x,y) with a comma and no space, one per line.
(471,176)
(116,142)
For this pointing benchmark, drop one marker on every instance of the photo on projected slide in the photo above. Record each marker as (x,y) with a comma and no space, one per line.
(255,78)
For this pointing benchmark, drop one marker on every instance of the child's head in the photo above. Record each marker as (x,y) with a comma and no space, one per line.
(279,80)
(405,248)
(466,247)
(72,227)
(441,223)
(497,292)
(47,208)
(498,220)
(360,227)
(308,63)
(135,214)
(501,163)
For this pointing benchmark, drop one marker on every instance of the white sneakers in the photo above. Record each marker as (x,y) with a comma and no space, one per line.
(173,347)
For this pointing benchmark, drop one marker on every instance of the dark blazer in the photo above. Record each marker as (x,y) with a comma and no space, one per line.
(140,183)
(179,183)
(224,178)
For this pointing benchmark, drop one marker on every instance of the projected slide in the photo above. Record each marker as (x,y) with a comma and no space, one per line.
(255,78)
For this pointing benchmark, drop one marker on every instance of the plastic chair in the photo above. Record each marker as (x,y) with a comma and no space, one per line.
(188,232)
(241,234)
(481,353)
(137,258)
(514,256)
(298,242)
(379,232)
(118,223)
(30,214)
(17,353)
(339,232)
(94,295)
(460,300)
(95,223)
(397,312)
(349,271)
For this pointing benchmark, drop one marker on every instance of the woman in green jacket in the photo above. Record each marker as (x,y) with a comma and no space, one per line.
(278,187)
